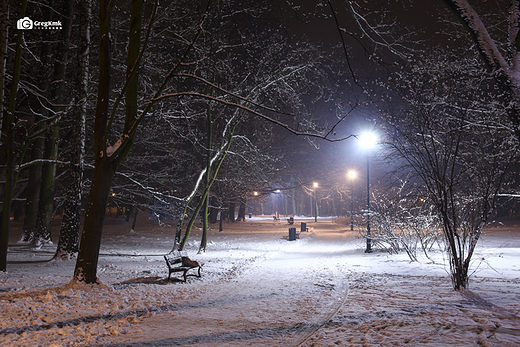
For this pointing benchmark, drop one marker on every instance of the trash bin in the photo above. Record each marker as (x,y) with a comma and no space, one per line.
(292,234)
(304,227)
(250,215)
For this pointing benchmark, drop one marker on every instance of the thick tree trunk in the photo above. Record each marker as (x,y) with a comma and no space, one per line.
(3,51)
(86,264)
(242,211)
(231,212)
(213,213)
(68,242)
(107,159)
(10,155)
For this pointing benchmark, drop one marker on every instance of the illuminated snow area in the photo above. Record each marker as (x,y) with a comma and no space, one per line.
(259,289)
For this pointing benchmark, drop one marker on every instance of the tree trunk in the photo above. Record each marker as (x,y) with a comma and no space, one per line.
(108,159)
(242,212)
(135,219)
(231,212)
(33,193)
(3,51)
(38,145)
(86,264)
(7,126)
(46,210)
(68,242)
(221,155)
(46,202)
(220,224)
(295,212)
(205,207)
(213,213)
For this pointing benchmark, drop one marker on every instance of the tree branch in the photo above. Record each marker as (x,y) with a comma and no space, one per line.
(256,113)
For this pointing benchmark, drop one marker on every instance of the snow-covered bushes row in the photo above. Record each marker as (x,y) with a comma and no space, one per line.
(404,223)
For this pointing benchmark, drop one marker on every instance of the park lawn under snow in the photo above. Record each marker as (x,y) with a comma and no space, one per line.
(259,289)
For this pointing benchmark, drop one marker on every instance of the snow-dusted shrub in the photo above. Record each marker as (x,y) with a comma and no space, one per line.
(403,223)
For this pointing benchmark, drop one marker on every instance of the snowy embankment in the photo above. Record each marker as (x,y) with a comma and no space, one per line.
(259,289)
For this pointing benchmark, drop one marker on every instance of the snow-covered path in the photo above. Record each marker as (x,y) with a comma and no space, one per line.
(275,293)
(259,289)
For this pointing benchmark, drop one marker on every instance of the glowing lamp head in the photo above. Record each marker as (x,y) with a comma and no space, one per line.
(368,139)
(352,174)
(315,184)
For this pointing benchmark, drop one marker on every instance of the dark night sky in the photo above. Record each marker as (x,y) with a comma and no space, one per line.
(312,20)
(426,22)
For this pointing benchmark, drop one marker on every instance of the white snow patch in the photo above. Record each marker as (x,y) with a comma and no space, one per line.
(259,289)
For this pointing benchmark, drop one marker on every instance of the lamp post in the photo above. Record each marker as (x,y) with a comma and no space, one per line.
(315,185)
(368,140)
(352,176)
(277,202)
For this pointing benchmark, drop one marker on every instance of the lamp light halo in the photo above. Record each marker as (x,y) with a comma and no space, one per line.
(368,139)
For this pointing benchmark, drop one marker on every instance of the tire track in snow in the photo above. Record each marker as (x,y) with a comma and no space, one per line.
(311,328)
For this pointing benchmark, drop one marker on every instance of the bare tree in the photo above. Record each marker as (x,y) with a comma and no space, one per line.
(452,136)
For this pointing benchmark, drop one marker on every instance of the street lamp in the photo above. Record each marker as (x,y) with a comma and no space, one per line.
(277,202)
(368,140)
(352,176)
(315,184)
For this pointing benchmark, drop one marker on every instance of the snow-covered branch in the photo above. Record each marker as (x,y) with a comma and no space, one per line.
(254,112)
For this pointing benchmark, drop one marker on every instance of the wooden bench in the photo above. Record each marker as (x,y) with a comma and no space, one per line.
(276,218)
(181,264)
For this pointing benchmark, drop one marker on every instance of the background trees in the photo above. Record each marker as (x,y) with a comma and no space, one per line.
(186,87)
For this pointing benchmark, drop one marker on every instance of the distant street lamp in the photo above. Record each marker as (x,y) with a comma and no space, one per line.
(368,140)
(277,202)
(352,176)
(315,184)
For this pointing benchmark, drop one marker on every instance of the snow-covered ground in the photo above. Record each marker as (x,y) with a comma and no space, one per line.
(259,289)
